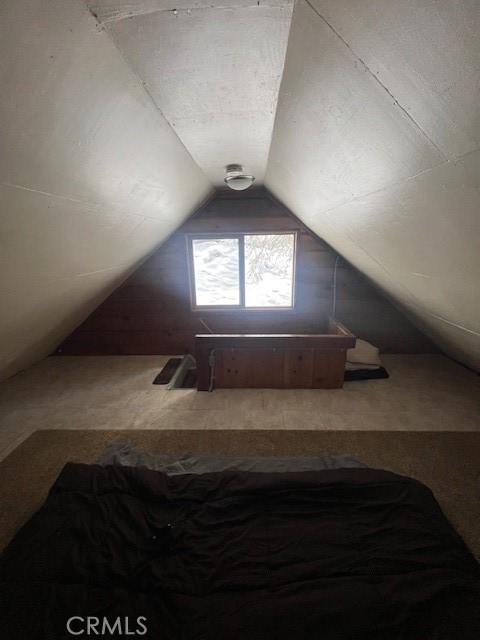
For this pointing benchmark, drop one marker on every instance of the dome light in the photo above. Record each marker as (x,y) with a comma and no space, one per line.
(236,179)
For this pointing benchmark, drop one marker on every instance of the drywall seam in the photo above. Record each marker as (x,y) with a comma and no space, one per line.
(93,207)
(394,185)
(379,82)
(51,195)
(53,278)
(390,185)
(92,273)
(452,324)
(134,13)
(410,296)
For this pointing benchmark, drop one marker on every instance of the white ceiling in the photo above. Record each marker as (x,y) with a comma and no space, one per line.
(115,125)
(213,70)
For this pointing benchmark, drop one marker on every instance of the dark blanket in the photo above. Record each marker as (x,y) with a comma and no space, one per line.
(352,375)
(349,553)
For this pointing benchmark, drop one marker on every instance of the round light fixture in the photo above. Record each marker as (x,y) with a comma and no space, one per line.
(236,179)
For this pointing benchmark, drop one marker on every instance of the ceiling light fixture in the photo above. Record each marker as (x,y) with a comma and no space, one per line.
(236,179)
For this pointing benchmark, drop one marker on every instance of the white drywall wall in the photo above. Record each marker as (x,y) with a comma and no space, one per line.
(92,178)
(383,162)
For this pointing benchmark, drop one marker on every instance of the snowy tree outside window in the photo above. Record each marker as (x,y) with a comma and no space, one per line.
(247,270)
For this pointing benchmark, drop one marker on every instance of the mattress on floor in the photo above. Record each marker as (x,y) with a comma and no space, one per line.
(126,454)
(338,554)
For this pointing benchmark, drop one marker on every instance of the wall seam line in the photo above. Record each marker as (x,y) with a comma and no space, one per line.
(377,79)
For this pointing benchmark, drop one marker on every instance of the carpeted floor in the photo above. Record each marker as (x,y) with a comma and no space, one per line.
(448,462)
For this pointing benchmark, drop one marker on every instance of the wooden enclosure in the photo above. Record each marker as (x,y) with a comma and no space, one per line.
(278,361)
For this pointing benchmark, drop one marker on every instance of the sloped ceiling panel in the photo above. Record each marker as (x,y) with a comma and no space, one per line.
(426,54)
(376,148)
(213,69)
(92,178)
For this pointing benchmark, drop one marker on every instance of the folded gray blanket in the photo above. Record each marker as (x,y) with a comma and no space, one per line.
(125,454)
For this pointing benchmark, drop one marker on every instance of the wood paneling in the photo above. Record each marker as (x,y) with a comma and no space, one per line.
(273,361)
(298,368)
(328,370)
(151,311)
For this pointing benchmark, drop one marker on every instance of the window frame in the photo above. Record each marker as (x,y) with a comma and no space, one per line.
(240,236)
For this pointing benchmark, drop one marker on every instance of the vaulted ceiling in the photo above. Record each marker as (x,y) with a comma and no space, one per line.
(117,120)
(213,71)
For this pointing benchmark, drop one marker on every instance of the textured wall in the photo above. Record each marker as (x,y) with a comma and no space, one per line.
(151,313)
(92,178)
(376,147)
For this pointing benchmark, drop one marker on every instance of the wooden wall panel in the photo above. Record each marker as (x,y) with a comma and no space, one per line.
(298,368)
(248,368)
(150,312)
(328,370)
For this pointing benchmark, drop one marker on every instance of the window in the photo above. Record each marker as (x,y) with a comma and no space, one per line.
(247,271)
(217,275)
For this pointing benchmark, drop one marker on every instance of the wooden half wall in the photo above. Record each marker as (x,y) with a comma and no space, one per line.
(150,313)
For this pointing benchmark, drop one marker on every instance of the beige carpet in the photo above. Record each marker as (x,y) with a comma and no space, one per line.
(448,462)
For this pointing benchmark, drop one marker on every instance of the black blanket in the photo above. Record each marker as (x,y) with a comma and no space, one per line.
(330,555)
